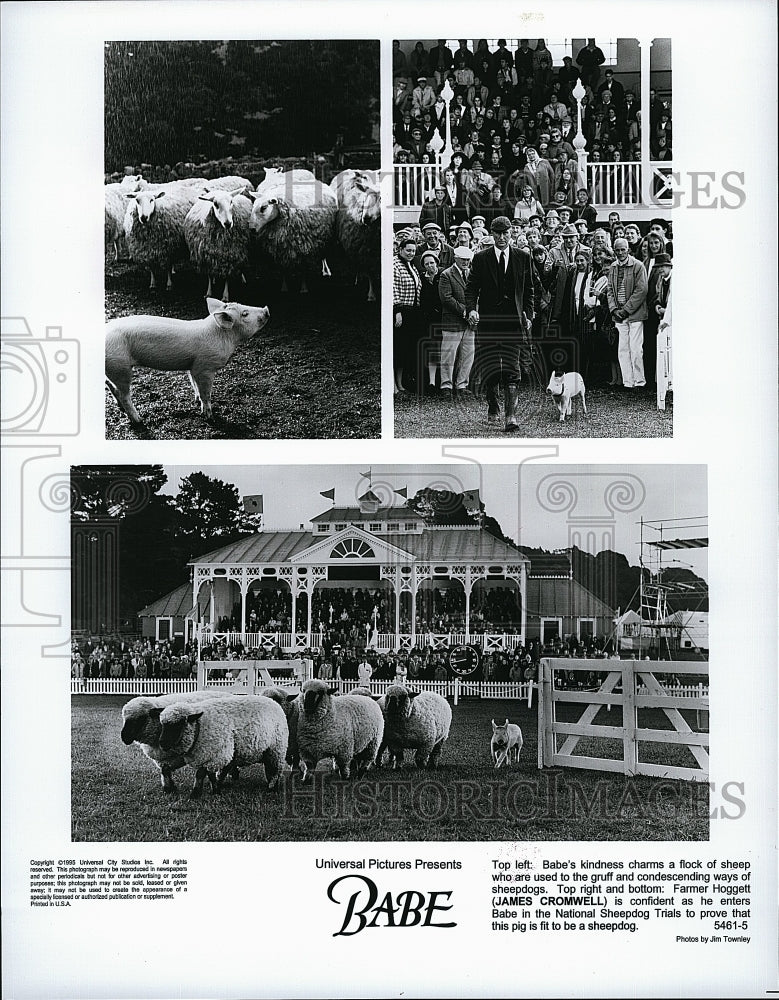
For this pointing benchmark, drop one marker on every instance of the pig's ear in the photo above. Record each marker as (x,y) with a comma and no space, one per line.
(222,315)
(215,305)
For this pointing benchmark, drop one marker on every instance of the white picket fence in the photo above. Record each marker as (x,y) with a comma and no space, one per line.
(454,688)
(389,641)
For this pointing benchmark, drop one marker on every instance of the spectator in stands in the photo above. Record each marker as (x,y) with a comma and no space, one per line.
(437,209)
(627,292)
(542,65)
(440,61)
(539,174)
(633,236)
(528,205)
(590,59)
(422,96)
(614,88)
(406,285)
(463,55)
(399,62)
(434,241)
(418,61)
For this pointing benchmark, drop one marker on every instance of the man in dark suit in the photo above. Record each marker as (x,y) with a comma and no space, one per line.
(457,340)
(500,298)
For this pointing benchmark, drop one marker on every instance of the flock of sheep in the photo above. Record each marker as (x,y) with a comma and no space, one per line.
(217,733)
(229,230)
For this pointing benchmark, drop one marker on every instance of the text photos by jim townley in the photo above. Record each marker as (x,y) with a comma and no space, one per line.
(391,653)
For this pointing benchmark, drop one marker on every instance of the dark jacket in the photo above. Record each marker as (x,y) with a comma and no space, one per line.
(482,292)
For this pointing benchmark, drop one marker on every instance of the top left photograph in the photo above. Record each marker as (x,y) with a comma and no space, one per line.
(242,239)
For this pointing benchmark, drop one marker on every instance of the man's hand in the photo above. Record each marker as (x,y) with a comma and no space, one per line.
(473,318)
(398,319)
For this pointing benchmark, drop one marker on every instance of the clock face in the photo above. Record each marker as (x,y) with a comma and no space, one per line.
(464,660)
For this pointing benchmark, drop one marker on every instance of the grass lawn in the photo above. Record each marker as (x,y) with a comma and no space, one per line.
(610,413)
(116,794)
(313,372)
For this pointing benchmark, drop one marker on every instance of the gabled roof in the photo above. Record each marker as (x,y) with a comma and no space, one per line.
(432,545)
(177,602)
(563,598)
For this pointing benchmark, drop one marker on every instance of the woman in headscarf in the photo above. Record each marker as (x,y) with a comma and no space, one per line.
(539,174)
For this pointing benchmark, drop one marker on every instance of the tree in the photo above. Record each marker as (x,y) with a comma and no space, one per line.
(112,491)
(209,510)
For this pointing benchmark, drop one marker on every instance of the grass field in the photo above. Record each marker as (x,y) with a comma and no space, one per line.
(313,372)
(116,795)
(610,413)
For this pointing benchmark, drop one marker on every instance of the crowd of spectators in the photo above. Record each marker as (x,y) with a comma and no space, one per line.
(506,104)
(105,656)
(601,292)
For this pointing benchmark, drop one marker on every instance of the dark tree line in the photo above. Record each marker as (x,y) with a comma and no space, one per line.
(167,102)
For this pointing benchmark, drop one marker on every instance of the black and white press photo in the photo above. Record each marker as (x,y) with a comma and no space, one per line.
(394,653)
(242,239)
(533,241)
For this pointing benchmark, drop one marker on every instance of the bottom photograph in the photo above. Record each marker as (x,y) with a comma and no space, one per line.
(402,653)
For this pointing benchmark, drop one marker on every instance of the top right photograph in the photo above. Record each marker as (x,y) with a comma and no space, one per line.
(533,239)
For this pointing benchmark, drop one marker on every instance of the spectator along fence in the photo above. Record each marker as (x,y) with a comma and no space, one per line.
(383,642)
(633,685)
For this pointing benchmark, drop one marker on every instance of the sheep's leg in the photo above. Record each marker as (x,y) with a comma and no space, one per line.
(153,282)
(209,293)
(169,284)
(273,766)
(421,757)
(116,250)
(200,777)
(326,272)
(119,383)
(216,779)
(343,766)
(303,287)
(435,755)
(226,291)
(306,769)
(168,784)
(371,292)
(204,381)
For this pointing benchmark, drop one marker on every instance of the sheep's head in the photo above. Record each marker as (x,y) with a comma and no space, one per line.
(145,202)
(135,719)
(398,701)
(317,699)
(222,206)
(179,730)
(265,212)
(371,200)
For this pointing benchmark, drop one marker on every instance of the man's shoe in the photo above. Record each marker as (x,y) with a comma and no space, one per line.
(512,394)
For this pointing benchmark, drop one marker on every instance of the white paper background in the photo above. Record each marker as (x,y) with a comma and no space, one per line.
(257,922)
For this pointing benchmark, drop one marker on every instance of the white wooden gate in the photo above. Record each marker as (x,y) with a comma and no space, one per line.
(632,685)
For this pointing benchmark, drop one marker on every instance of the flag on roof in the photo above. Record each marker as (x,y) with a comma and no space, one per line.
(252,504)
(471,500)
(402,493)
(328,494)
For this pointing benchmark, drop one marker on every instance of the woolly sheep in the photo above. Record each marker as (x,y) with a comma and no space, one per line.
(141,725)
(215,736)
(419,720)
(116,196)
(293,222)
(290,702)
(216,231)
(348,729)
(358,222)
(230,183)
(154,226)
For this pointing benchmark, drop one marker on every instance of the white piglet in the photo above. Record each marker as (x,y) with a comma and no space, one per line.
(199,346)
(506,743)
(564,386)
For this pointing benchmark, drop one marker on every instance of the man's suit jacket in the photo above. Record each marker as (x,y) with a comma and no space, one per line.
(451,291)
(482,292)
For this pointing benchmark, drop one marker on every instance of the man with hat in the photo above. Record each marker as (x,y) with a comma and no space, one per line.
(500,298)
(422,96)
(437,209)
(457,343)
(434,243)
(627,292)
(570,236)
(658,289)
(416,146)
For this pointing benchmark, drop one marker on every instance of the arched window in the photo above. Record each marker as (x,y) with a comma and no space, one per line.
(352,548)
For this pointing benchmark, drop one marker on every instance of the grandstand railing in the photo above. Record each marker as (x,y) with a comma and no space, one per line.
(609,184)
(384,641)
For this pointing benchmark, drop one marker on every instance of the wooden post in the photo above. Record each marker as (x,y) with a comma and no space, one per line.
(629,720)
